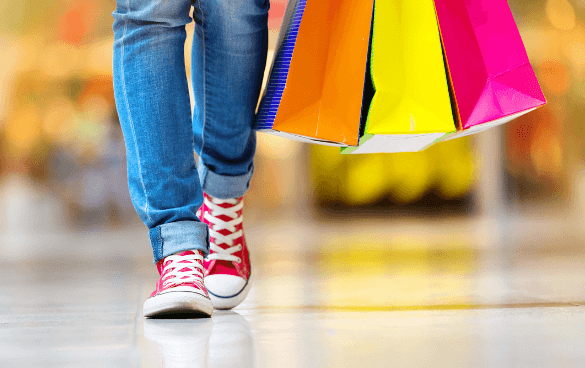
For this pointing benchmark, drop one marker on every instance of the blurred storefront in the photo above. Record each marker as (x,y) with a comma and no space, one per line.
(544,150)
(59,131)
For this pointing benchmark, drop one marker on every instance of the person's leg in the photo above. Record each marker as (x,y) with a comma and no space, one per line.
(228,61)
(152,99)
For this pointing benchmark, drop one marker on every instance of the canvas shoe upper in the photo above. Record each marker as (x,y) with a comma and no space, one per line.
(180,288)
(227,267)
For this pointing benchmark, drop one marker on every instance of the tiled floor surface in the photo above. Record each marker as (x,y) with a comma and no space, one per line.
(441,304)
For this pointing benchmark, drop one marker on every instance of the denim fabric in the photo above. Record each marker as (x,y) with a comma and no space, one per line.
(160,131)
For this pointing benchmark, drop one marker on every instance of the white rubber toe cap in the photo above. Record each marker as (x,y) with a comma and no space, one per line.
(224,286)
(226,291)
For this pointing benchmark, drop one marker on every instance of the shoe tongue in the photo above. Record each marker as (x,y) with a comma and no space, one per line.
(222,245)
(160,265)
(224,205)
(186,253)
(224,232)
(220,265)
(224,218)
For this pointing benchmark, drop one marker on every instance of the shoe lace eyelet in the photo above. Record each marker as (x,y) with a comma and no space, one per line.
(239,260)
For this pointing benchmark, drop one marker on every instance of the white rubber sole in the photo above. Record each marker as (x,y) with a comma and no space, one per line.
(179,302)
(231,302)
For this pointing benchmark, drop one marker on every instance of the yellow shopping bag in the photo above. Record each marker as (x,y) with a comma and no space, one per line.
(407,106)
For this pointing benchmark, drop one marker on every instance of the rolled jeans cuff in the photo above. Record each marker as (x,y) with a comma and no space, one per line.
(223,186)
(173,237)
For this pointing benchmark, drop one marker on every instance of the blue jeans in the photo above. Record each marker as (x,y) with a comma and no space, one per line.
(160,131)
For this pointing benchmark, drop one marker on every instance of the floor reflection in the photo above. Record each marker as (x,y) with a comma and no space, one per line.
(329,304)
(225,340)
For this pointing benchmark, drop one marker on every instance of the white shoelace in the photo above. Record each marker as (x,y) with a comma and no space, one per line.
(187,269)
(218,224)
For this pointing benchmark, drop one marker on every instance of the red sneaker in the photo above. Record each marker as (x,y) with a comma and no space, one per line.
(227,267)
(180,288)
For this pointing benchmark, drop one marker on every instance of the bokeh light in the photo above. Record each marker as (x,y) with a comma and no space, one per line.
(561,14)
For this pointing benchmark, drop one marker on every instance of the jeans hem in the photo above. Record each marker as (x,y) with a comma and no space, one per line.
(173,237)
(223,186)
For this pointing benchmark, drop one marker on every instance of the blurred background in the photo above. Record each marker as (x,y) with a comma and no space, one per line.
(62,159)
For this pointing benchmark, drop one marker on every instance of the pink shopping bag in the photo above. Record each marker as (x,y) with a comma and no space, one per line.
(490,74)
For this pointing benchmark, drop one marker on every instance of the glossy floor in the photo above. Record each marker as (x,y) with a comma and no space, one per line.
(366,303)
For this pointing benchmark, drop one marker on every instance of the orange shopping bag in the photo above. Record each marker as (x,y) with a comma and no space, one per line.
(316,83)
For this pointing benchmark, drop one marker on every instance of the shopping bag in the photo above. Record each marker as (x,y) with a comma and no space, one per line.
(490,74)
(410,105)
(316,82)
